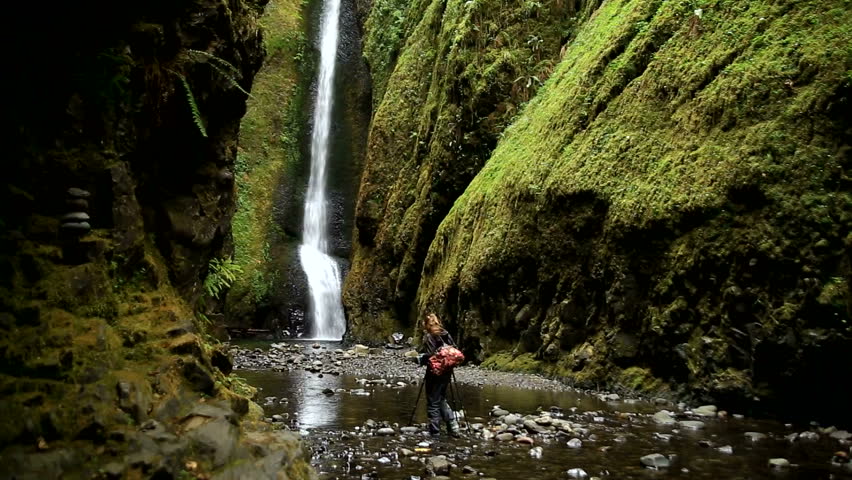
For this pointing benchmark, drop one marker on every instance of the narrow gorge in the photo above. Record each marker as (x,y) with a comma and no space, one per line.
(626,213)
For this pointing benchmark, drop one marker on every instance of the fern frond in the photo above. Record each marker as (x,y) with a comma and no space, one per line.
(221,61)
(231,79)
(196,114)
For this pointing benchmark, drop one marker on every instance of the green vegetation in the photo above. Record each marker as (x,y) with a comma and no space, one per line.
(222,274)
(678,177)
(457,73)
(269,147)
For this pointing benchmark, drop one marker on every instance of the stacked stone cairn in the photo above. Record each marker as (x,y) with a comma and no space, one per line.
(75,224)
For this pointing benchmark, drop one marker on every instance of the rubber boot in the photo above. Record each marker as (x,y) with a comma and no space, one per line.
(453,428)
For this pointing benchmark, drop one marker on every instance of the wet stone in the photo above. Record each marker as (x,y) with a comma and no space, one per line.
(705,411)
(691,424)
(779,463)
(655,460)
(663,418)
(387,431)
(437,466)
(575,443)
(577,473)
(755,436)
(504,437)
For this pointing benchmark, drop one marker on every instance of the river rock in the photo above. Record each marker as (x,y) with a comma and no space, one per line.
(77,226)
(76,217)
(705,411)
(536,452)
(575,443)
(577,473)
(726,449)
(468,470)
(511,419)
(410,354)
(361,349)
(328,391)
(532,426)
(525,440)
(655,460)
(691,424)
(499,412)
(755,436)
(385,431)
(504,437)
(663,418)
(78,193)
(809,436)
(409,430)
(779,463)
(840,435)
(437,466)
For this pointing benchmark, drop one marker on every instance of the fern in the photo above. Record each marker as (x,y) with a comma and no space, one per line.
(196,114)
(225,68)
(223,273)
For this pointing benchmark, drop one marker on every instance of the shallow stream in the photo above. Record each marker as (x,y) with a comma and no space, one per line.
(614,434)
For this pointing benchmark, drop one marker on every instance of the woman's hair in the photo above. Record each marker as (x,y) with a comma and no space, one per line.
(432,324)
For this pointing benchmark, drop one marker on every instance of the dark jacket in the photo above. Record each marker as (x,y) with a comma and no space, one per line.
(431,343)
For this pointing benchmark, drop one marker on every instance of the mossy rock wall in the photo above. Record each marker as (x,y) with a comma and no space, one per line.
(668,211)
(448,77)
(273,164)
(132,126)
(671,212)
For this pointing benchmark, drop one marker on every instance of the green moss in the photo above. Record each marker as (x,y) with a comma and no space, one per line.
(269,145)
(639,379)
(463,71)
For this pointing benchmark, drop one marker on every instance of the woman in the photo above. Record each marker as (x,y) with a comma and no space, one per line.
(437,409)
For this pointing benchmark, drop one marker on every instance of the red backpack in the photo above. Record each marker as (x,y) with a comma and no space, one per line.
(445,359)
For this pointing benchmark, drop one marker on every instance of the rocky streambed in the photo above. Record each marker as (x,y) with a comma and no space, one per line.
(353,407)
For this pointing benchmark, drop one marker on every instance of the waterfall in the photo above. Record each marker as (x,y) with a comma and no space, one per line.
(321,269)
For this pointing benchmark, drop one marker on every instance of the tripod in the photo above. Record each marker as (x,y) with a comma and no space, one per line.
(453,396)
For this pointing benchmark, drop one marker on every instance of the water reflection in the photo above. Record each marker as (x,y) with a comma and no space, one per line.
(312,407)
(619,439)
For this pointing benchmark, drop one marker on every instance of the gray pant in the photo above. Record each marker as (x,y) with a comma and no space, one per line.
(437,408)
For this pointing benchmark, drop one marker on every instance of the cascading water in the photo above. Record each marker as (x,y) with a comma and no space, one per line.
(321,269)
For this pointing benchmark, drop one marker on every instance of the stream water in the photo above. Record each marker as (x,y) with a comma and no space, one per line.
(614,434)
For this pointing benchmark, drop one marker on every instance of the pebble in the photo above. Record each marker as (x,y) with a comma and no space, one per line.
(385,431)
(536,452)
(705,411)
(575,443)
(525,440)
(504,437)
(499,412)
(779,463)
(726,449)
(409,430)
(691,424)
(755,436)
(76,217)
(577,473)
(655,460)
(664,418)
(78,193)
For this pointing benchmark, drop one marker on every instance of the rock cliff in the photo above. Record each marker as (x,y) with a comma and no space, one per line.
(117,194)
(669,212)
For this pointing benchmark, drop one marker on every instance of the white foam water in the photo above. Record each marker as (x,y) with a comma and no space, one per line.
(321,269)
